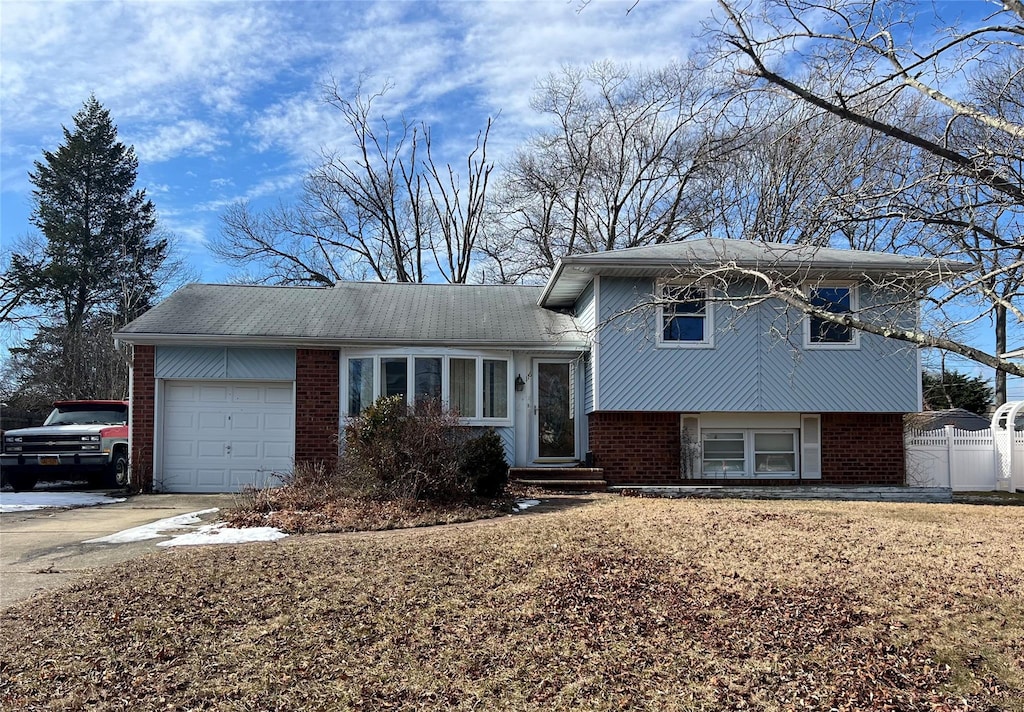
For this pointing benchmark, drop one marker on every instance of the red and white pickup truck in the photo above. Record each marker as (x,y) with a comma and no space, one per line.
(81,439)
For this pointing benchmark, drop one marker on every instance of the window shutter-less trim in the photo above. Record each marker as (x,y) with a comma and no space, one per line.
(689,438)
(810,446)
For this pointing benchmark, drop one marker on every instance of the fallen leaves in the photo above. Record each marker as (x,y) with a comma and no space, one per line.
(623,604)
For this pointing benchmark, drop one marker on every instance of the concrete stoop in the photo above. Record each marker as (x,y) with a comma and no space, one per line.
(566,479)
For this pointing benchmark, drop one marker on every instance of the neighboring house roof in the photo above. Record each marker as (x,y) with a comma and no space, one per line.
(957,417)
(573,272)
(356,313)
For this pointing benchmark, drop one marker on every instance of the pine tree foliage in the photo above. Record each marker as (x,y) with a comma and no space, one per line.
(952,389)
(92,270)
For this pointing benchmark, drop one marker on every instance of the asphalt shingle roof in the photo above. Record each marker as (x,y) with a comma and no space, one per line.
(574,272)
(359,312)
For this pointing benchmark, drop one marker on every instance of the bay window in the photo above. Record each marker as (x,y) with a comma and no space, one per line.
(477,387)
(360,384)
(462,386)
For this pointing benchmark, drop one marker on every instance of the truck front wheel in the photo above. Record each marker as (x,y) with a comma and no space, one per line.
(119,469)
(21,483)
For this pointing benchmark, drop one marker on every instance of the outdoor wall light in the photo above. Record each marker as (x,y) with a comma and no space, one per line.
(520,383)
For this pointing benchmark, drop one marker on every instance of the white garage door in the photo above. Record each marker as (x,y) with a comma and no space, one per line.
(219,436)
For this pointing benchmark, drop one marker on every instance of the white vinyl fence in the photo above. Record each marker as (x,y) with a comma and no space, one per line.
(965,460)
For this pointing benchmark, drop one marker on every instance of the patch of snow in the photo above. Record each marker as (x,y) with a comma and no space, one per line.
(523,504)
(220,533)
(27,501)
(152,530)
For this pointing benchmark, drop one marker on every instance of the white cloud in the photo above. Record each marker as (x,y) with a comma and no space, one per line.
(189,137)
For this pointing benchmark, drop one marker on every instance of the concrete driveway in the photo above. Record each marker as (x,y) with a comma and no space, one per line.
(44,549)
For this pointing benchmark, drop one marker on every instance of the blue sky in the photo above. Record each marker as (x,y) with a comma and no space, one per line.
(222,99)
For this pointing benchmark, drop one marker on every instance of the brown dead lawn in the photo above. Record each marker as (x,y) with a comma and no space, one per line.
(620,604)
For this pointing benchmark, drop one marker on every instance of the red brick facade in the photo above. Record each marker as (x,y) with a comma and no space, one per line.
(639,448)
(862,449)
(317,407)
(636,447)
(143,410)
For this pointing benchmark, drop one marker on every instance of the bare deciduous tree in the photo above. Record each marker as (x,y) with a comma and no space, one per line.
(948,101)
(384,209)
(613,171)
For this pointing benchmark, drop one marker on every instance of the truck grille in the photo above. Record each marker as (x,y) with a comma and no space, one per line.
(46,444)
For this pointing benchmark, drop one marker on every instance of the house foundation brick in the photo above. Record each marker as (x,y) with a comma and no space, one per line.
(143,417)
(862,449)
(317,406)
(636,447)
(642,448)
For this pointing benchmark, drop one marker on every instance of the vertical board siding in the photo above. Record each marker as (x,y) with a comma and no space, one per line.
(508,440)
(268,364)
(586,316)
(190,362)
(637,375)
(588,384)
(758,362)
(220,363)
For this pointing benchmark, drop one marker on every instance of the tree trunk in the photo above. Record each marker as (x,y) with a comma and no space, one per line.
(1000,391)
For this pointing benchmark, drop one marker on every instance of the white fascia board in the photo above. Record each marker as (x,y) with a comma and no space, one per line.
(550,284)
(291,342)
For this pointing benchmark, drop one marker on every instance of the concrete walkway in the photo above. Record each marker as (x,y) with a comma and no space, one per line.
(43,549)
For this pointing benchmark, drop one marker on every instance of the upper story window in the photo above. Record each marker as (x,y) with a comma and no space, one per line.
(684,315)
(838,299)
(477,387)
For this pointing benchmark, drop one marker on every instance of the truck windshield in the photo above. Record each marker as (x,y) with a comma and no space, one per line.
(104,415)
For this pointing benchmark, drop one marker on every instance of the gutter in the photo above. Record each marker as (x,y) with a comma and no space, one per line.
(158,339)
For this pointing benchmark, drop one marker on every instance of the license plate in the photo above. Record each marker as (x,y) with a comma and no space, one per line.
(49,460)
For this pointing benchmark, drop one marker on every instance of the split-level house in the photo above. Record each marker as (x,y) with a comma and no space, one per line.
(660,365)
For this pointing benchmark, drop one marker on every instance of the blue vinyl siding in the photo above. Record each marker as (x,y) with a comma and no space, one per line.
(586,315)
(221,363)
(758,363)
(508,440)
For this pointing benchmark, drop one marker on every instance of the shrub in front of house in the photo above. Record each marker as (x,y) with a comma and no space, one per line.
(393,451)
(484,464)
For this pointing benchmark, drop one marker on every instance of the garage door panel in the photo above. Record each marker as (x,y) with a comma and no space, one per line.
(279,394)
(277,450)
(245,421)
(278,421)
(180,448)
(212,420)
(213,394)
(179,392)
(245,449)
(210,477)
(211,448)
(246,394)
(220,437)
(179,419)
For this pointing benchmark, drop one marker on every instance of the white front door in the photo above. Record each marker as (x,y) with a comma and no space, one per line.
(219,436)
(554,419)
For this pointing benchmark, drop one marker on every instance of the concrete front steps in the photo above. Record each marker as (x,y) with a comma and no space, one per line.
(571,479)
(868,493)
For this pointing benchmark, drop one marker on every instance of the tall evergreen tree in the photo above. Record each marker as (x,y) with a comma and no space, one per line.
(94,270)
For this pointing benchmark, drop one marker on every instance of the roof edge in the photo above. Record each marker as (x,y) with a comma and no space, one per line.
(161,339)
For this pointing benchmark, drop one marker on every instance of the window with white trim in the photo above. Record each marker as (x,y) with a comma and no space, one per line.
(478,387)
(750,453)
(684,314)
(838,298)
